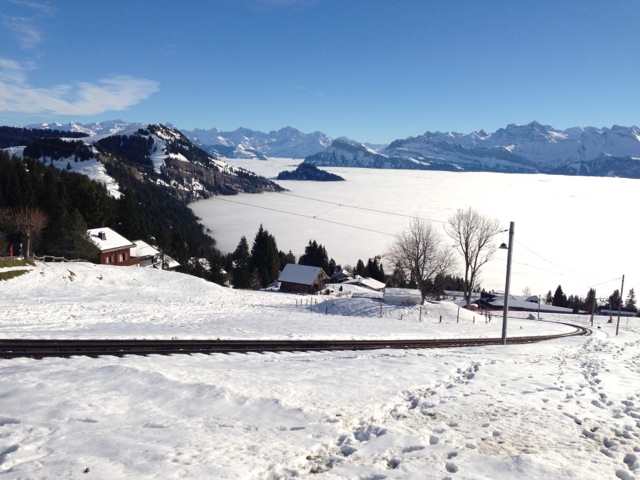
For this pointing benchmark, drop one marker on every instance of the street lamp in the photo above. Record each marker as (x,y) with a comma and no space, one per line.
(508,281)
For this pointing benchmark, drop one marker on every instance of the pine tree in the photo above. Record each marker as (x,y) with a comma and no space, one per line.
(548,298)
(614,300)
(241,273)
(264,258)
(315,255)
(398,278)
(630,302)
(360,269)
(375,270)
(216,270)
(591,302)
(286,258)
(559,298)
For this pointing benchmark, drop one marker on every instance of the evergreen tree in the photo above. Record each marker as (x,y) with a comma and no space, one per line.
(333,267)
(591,302)
(241,273)
(360,269)
(216,270)
(614,300)
(398,278)
(265,261)
(559,298)
(286,258)
(630,302)
(548,298)
(575,303)
(130,223)
(315,255)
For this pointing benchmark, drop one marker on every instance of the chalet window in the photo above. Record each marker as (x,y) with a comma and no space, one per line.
(109,259)
(120,257)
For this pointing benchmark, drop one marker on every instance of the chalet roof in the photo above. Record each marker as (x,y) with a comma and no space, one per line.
(371,283)
(142,249)
(301,274)
(107,239)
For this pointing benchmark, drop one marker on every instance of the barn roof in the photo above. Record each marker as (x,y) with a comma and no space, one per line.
(301,274)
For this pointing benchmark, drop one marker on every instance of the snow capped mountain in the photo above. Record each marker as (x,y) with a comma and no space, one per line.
(532,148)
(287,142)
(110,127)
(245,143)
(154,154)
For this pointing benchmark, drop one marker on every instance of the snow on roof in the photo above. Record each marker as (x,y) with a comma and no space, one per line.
(300,274)
(107,239)
(371,283)
(402,292)
(143,249)
(498,302)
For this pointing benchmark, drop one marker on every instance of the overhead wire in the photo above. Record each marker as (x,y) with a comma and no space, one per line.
(312,217)
(367,209)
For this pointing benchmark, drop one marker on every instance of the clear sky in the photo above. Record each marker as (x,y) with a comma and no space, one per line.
(370,70)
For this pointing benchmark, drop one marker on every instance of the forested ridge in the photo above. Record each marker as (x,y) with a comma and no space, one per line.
(72,203)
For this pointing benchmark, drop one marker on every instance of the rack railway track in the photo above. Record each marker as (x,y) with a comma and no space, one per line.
(14,348)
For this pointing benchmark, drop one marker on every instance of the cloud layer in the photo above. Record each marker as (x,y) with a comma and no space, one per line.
(81,98)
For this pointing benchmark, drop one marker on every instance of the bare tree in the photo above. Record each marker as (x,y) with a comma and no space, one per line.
(420,254)
(473,234)
(30,222)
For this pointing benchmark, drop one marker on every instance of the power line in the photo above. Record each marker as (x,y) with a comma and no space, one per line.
(359,208)
(311,217)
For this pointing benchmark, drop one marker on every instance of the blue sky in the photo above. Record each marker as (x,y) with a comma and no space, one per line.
(370,70)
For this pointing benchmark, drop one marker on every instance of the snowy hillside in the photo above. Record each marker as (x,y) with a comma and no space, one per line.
(532,148)
(562,409)
(156,154)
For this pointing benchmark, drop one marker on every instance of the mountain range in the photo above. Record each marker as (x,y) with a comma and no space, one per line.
(531,148)
(240,143)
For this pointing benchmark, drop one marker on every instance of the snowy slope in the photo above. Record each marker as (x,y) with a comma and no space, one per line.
(563,409)
(159,154)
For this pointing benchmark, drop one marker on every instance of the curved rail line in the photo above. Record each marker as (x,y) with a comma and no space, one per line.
(13,348)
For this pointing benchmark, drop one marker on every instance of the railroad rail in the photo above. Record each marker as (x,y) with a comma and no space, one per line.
(13,348)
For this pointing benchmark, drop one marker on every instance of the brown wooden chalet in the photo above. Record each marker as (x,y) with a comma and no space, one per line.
(114,248)
(302,279)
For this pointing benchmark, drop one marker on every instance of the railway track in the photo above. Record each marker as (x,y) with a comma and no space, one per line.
(13,348)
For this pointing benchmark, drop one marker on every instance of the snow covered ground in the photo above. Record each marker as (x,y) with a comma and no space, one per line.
(567,408)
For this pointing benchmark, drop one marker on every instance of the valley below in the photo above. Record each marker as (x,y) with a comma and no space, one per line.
(578,232)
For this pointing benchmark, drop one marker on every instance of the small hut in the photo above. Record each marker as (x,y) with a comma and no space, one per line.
(302,279)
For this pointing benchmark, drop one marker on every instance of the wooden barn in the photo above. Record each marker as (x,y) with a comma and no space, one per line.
(302,279)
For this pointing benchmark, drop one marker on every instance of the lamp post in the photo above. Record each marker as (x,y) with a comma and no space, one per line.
(507,282)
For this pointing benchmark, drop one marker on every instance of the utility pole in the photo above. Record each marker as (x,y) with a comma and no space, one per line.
(620,305)
(507,283)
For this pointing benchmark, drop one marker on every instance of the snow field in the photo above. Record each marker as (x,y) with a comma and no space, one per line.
(568,408)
